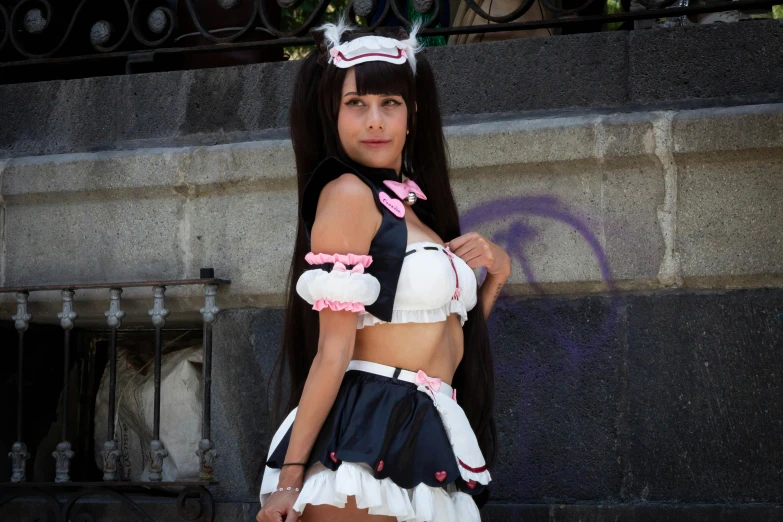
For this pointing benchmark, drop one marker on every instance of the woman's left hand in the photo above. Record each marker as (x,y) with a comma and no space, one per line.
(476,251)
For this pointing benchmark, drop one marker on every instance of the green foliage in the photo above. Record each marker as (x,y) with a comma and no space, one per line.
(293,18)
(612,7)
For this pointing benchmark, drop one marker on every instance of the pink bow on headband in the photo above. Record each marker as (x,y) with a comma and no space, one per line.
(423,378)
(339,267)
(402,189)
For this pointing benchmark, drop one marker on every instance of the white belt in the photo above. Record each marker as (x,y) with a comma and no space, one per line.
(389,371)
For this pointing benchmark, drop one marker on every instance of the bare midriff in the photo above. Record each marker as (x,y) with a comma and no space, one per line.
(435,348)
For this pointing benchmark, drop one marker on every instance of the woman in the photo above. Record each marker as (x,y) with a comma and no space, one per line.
(387,320)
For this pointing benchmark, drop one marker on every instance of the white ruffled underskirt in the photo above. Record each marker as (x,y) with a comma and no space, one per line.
(434,315)
(381,497)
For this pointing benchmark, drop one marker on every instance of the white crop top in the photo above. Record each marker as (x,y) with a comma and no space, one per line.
(432,284)
(427,287)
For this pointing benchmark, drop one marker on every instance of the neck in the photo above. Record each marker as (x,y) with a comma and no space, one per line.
(398,168)
(395,166)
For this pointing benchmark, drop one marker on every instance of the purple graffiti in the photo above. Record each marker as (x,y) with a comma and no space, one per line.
(578,348)
(519,234)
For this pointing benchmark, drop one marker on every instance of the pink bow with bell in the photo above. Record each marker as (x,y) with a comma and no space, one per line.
(402,189)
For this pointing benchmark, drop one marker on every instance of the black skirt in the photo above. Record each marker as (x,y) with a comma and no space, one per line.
(388,429)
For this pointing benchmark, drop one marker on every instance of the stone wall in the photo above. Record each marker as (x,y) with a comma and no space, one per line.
(715,65)
(636,179)
(589,203)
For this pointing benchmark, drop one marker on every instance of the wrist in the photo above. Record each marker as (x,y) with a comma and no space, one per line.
(501,275)
(291,476)
(501,268)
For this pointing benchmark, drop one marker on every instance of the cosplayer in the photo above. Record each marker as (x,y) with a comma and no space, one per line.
(385,345)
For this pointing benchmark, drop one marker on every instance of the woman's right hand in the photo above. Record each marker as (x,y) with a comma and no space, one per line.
(279,507)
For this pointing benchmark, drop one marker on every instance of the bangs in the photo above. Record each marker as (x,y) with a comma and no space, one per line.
(380,78)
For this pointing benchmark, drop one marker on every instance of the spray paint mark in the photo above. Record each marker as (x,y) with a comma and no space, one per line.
(544,321)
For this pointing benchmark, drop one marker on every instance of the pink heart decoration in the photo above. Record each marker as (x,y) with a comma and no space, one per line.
(472,484)
(395,206)
(380,467)
(440,475)
(333,457)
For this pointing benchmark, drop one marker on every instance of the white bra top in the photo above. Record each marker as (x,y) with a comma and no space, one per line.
(428,289)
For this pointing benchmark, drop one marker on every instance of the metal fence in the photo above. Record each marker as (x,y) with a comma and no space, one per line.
(194,500)
(39,33)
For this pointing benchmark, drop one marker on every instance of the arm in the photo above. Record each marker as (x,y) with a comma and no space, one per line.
(490,290)
(476,251)
(346,221)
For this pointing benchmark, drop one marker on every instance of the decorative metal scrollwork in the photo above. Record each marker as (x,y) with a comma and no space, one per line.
(22,318)
(114,315)
(151,27)
(52,506)
(196,503)
(36,31)
(158,311)
(67,316)
(363,7)
(19,456)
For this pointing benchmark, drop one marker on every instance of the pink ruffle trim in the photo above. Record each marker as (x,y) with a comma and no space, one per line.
(337,306)
(346,259)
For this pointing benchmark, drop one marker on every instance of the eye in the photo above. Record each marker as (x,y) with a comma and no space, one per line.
(391,103)
(354,102)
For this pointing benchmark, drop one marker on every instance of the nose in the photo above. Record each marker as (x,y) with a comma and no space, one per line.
(374,118)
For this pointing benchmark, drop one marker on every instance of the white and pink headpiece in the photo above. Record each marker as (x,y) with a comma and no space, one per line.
(369,48)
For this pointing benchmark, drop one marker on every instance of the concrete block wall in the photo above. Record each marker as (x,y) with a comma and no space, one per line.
(590,203)
(636,344)
(690,67)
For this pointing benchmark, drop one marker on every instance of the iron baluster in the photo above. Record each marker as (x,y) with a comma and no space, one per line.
(63,454)
(157,449)
(111,452)
(18,453)
(206,449)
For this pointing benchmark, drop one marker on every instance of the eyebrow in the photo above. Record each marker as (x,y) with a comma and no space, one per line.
(357,94)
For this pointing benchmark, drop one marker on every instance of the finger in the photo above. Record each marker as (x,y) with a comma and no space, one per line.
(478,241)
(477,261)
(470,250)
(463,249)
(291,515)
(461,240)
(270,516)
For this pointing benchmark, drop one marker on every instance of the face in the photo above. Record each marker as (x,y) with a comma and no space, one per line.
(372,127)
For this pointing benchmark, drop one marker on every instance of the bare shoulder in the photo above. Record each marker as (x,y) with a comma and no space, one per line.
(347,186)
(346,218)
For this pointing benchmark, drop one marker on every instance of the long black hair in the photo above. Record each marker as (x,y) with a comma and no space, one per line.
(317,91)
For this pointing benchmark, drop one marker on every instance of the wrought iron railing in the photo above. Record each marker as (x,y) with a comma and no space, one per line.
(36,33)
(195,501)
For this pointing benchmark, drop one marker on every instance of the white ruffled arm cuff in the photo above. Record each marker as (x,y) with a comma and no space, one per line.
(342,288)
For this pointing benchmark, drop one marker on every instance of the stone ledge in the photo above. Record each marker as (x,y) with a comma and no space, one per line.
(589,204)
(619,71)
